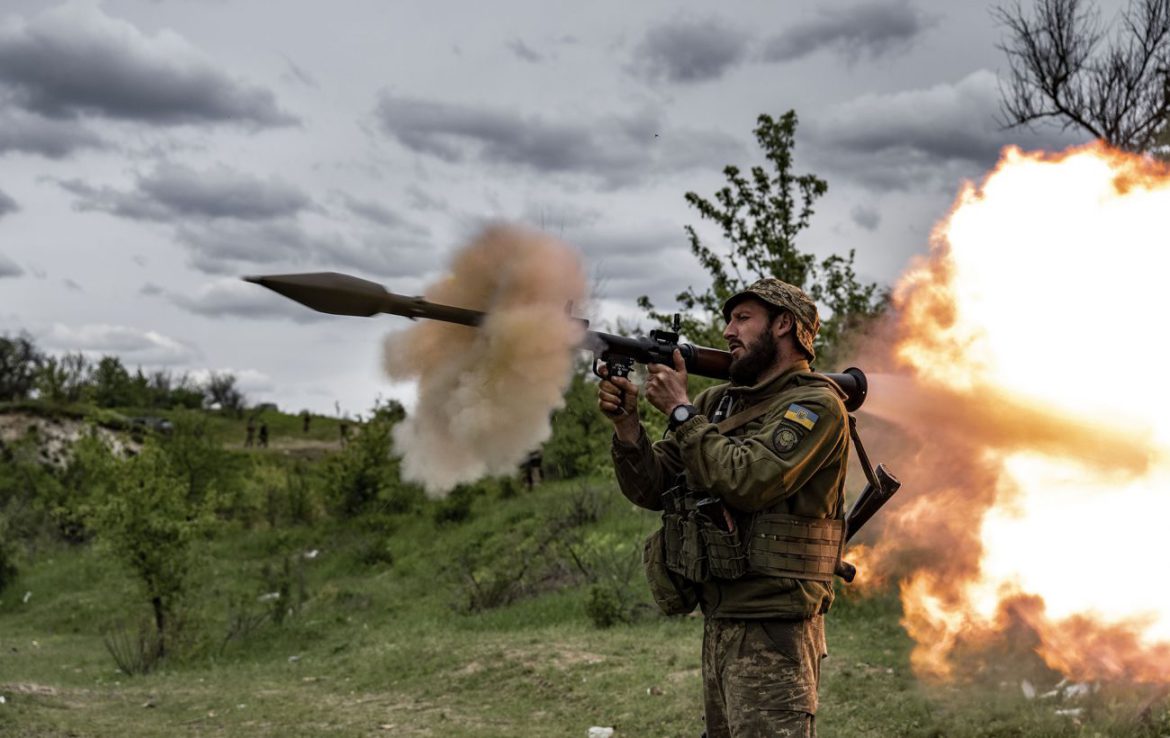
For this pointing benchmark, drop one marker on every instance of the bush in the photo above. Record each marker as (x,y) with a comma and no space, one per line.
(198,459)
(604,607)
(148,522)
(456,507)
(89,472)
(364,476)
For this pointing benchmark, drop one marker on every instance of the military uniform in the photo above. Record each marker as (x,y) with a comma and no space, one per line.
(781,475)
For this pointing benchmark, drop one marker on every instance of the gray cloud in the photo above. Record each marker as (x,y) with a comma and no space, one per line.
(234,298)
(627,264)
(74,286)
(75,60)
(9,268)
(895,139)
(420,199)
(132,345)
(559,218)
(175,192)
(523,51)
(872,29)
(228,247)
(618,150)
(866,217)
(7,204)
(24,132)
(689,51)
(296,74)
(379,214)
(150,289)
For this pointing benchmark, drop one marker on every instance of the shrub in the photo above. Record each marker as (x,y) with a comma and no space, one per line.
(456,507)
(604,607)
(364,476)
(148,522)
(197,458)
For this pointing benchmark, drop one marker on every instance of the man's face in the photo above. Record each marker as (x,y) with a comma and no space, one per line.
(750,341)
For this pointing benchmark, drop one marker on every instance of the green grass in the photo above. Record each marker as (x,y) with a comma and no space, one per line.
(378,649)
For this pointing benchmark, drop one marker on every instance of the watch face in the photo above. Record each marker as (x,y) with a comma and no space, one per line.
(681,414)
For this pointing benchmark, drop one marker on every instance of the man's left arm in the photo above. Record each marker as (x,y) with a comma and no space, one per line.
(754,472)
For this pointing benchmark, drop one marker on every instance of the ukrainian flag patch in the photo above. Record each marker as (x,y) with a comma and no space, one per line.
(801,415)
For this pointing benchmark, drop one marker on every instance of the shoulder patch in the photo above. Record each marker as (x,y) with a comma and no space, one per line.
(785,438)
(801,415)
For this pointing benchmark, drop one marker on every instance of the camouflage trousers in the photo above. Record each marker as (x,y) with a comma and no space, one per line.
(760,677)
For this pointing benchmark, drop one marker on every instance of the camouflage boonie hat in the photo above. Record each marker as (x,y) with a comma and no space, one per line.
(789,297)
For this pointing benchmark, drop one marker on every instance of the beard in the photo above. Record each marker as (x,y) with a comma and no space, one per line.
(756,359)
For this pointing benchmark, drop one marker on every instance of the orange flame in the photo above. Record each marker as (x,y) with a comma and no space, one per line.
(1037,490)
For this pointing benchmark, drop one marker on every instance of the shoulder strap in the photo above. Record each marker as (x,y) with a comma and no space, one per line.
(743,417)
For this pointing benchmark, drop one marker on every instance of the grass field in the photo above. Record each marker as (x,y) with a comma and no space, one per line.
(377,643)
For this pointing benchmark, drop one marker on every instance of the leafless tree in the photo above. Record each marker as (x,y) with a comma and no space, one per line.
(1111,81)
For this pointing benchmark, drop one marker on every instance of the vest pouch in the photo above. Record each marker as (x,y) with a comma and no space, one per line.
(672,594)
(672,541)
(674,501)
(726,558)
(694,549)
(794,546)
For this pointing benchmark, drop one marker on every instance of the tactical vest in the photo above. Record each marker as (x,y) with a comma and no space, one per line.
(698,547)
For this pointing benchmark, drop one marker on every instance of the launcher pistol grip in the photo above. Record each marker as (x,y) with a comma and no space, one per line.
(615,366)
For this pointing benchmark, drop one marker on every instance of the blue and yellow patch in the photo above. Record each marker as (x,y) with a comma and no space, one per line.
(801,415)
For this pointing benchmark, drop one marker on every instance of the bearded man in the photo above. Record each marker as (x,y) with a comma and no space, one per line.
(750,479)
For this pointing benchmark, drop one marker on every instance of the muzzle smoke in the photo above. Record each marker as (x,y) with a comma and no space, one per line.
(485,395)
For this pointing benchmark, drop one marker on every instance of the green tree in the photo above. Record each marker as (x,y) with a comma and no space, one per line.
(64,378)
(20,362)
(197,458)
(112,386)
(221,390)
(364,476)
(760,215)
(148,523)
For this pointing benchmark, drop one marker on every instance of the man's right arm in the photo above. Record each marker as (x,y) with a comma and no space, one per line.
(644,471)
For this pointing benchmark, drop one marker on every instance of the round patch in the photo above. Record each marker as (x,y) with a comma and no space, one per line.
(785,439)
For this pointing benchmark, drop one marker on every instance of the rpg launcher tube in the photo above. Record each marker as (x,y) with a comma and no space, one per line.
(342,294)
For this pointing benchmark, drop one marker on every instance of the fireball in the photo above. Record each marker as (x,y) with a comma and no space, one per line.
(1031,356)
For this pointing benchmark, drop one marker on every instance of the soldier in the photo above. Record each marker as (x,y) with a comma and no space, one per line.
(250,432)
(750,479)
(264,435)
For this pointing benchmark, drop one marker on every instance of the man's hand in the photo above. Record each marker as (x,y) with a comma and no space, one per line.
(617,398)
(666,388)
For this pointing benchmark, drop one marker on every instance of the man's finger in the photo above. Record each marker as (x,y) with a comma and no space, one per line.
(680,364)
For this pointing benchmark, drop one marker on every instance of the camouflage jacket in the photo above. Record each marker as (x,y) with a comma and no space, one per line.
(791,460)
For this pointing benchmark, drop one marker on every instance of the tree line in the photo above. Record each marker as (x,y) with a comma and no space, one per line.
(27,372)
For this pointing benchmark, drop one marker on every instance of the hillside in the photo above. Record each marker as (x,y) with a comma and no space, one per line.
(497,612)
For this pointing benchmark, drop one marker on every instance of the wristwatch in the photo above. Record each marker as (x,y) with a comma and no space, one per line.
(681,414)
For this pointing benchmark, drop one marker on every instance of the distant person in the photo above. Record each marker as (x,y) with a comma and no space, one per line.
(251,433)
(531,468)
(264,435)
(343,430)
(305,417)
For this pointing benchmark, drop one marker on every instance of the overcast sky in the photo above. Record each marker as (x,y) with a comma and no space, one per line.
(152,152)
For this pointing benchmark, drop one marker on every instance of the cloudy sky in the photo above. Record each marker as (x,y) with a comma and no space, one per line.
(153,151)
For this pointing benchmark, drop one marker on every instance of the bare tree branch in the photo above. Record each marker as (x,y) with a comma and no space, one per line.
(1065,69)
